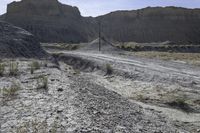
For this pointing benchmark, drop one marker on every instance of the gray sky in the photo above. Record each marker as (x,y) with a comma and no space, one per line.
(100,7)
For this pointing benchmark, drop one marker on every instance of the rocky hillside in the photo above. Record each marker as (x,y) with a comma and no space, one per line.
(158,24)
(16,42)
(52,21)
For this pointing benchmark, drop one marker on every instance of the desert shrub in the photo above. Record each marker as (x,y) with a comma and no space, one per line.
(74,47)
(136,48)
(45,64)
(71,47)
(13,69)
(128,47)
(140,97)
(109,69)
(77,72)
(42,83)
(11,91)
(2,69)
(34,124)
(35,65)
(54,127)
(32,70)
(180,103)
(123,47)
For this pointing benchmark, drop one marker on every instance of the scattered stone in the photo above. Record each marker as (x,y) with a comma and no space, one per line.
(60,89)
(52,79)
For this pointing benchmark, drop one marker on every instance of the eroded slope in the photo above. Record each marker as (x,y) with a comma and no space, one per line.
(16,42)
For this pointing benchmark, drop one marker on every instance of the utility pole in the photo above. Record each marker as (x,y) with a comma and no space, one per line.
(99,35)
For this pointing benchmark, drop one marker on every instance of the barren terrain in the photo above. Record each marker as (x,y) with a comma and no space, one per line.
(99,92)
(171,87)
(131,71)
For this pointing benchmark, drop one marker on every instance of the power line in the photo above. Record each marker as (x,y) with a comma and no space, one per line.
(99,35)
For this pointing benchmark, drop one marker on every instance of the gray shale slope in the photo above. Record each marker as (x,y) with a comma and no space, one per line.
(16,42)
(50,20)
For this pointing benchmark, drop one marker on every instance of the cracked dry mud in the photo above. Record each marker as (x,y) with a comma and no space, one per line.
(73,102)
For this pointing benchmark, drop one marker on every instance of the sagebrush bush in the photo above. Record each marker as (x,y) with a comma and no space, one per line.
(42,83)
(35,65)
(74,47)
(109,69)
(77,72)
(180,103)
(140,97)
(11,91)
(2,69)
(13,69)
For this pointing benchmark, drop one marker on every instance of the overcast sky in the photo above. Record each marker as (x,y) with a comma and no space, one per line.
(100,7)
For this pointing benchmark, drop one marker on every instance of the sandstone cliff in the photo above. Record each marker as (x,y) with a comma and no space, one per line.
(16,42)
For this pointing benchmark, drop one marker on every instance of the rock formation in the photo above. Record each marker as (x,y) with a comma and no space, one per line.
(157,24)
(16,42)
(52,21)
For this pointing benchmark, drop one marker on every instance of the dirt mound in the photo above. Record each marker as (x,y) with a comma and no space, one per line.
(16,42)
(105,46)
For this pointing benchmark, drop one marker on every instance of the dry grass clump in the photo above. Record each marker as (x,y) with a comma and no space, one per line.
(131,46)
(42,83)
(2,69)
(140,97)
(35,65)
(190,58)
(63,46)
(13,69)
(180,103)
(34,125)
(72,47)
(77,72)
(12,90)
(109,69)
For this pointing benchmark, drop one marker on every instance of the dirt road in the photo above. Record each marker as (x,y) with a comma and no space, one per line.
(147,69)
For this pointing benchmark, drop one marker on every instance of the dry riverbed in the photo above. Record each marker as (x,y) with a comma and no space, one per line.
(57,98)
(171,88)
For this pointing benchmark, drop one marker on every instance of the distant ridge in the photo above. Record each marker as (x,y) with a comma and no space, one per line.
(52,21)
(153,24)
